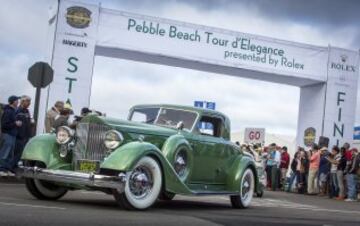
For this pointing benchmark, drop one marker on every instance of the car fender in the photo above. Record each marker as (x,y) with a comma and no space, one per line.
(43,148)
(236,171)
(174,144)
(125,158)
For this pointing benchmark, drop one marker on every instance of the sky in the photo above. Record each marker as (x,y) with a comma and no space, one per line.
(248,103)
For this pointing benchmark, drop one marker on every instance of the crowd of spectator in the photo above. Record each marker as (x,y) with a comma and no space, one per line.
(322,171)
(319,171)
(16,129)
(18,126)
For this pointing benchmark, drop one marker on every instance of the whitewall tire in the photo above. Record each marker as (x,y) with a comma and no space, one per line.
(247,187)
(143,185)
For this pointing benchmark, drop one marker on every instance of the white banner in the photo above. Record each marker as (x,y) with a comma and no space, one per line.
(210,45)
(341,95)
(254,135)
(73,56)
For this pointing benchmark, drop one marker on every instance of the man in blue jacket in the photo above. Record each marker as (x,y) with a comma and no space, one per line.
(24,132)
(9,127)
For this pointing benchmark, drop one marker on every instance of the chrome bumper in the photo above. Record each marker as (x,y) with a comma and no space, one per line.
(75,178)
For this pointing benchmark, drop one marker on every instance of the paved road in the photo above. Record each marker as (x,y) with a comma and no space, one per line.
(17,207)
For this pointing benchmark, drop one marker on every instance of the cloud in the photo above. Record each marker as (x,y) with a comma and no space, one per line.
(23,26)
(13,74)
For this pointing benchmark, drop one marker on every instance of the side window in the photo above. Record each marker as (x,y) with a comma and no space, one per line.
(210,126)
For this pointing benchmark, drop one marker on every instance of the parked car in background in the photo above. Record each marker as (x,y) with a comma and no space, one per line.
(160,151)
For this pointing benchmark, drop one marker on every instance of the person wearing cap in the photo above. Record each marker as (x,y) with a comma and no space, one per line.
(351,176)
(52,115)
(84,112)
(25,131)
(313,169)
(9,128)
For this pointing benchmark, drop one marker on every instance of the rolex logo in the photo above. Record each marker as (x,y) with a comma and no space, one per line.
(343,58)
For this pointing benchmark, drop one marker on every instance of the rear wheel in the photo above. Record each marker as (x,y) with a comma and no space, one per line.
(44,190)
(247,185)
(143,186)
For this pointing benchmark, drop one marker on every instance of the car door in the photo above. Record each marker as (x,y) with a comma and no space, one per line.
(210,152)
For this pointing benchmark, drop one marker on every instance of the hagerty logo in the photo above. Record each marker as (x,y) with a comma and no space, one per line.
(309,136)
(74,43)
(78,17)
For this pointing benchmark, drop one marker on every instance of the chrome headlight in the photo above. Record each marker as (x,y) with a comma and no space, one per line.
(113,139)
(64,135)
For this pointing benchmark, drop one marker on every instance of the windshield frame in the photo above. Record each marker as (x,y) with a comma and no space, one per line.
(158,114)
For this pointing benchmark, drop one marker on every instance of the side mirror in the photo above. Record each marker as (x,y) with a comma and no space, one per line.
(180,125)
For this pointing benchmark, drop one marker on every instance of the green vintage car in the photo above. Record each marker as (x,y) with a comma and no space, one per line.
(160,151)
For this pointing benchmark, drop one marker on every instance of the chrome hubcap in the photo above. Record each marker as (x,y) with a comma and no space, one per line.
(245,189)
(180,163)
(140,182)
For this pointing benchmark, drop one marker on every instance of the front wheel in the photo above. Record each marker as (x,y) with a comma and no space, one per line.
(247,185)
(44,190)
(143,186)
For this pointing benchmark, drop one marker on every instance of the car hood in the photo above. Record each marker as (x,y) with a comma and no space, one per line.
(132,127)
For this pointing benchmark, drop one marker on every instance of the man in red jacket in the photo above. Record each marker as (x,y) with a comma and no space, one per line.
(284,165)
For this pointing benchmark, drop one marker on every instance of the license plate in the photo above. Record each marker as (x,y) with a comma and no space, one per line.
(88,166)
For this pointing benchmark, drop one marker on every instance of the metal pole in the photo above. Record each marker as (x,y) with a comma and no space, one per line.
(36,106)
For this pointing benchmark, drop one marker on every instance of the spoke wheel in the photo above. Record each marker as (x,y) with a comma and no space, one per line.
(181,163)
(247,186)
(142,187)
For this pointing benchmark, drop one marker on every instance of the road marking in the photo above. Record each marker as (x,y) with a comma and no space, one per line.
(10,198)
(280,203)
(32,206)
(9,184)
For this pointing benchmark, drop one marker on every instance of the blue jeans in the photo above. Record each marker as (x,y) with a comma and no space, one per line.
(334,185)
(7,152)
(351,185)
(291,181)
(18,150)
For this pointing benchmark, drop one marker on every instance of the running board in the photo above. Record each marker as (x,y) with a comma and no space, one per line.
(213,193)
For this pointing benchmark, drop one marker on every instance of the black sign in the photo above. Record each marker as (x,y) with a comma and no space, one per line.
(40,75)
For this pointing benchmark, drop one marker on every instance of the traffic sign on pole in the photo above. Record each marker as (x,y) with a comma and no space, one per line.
(40,75)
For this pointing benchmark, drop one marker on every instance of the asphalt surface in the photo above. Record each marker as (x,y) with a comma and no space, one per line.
(18,207)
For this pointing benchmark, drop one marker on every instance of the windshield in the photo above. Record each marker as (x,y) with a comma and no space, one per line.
(164,116)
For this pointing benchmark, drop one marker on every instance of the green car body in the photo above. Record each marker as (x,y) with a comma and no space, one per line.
(213,164)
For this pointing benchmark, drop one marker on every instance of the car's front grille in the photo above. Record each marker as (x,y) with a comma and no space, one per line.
(90,142)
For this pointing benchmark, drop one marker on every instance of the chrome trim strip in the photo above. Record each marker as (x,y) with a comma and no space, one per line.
(76,178)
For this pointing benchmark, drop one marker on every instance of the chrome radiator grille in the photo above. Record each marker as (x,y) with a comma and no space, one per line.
(90,142)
